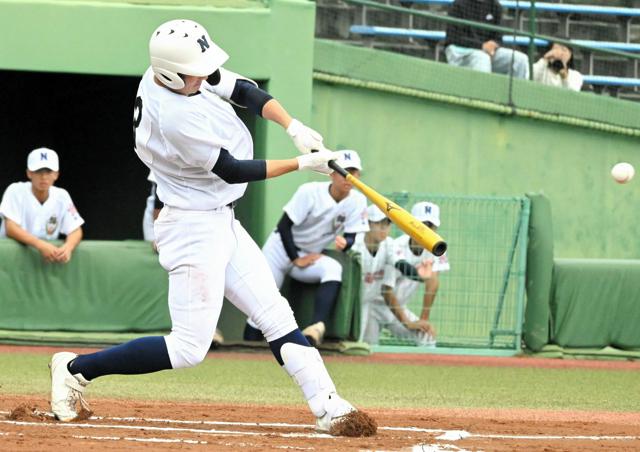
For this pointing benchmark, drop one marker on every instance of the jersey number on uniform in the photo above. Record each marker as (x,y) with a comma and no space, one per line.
(137,117)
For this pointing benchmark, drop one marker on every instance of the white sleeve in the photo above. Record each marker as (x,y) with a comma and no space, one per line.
(389,278)
(189,134)
(71,219)
(539,69)
(224,88)
(390,260)
(397,251)
(357,220)
(299,205)
(11,205)
(441,264)
(574,80)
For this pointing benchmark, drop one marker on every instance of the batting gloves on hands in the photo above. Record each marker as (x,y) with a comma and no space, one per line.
(317,161)
(305,138)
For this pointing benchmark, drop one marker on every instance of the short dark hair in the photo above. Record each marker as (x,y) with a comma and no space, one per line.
(570,64)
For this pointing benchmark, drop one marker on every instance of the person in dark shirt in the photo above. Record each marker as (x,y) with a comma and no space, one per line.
(477,48)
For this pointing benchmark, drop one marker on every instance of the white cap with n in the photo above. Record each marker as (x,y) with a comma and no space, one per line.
(348,158)
(426,211)
(43,158)
(375,214)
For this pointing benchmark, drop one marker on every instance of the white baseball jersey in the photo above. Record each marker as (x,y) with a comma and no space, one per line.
(317,218)
(405,287)
(46,221)
(192,131)
(377,270)
(147,217)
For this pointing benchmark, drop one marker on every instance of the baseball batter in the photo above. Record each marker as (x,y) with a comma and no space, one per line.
(320,213)
(35,212)
(201,153)
(410,251)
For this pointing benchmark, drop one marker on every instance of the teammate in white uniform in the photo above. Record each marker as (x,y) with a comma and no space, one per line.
(36,211)
(320,213)
(381,266)
(201,153)
(377,261)
(410,251)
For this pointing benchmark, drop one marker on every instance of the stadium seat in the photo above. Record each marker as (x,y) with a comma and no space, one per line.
(439,36)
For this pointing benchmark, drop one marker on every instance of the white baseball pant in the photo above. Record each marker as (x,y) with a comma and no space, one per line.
(377,315)
(323,270)
(208,255)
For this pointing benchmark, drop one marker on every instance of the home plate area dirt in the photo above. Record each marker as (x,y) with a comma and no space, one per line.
(26,424)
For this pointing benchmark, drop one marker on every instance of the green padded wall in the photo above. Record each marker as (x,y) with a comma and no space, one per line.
(107,286)
(539,273)
(595,303)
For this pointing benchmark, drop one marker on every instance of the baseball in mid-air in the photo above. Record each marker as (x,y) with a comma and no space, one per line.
(622,172)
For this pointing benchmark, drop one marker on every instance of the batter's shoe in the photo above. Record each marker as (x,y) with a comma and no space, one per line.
(66,389)
(314,333)
(336,407)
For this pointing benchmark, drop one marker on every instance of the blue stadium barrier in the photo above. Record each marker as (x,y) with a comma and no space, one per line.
(438,36)
(562,8)
(605,80)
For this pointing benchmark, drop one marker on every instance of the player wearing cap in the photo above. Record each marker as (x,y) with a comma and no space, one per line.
(377,260)
(201,153)
(35,212)
(405,286)
(318,214)
(379,264)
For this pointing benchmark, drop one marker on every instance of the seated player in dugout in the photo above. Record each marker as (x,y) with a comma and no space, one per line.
(379,264)
(318,214)
(411,252)
(36,211)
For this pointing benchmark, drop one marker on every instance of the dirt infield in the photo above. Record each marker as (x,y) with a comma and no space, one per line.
(25,423)
(132,425)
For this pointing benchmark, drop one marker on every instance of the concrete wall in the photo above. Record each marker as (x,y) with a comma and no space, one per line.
(435,146)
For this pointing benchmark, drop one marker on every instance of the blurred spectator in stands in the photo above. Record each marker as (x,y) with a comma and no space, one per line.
(555,68)
(35,212)
(477,48)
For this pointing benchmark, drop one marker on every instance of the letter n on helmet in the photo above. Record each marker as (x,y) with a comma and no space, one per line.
(183,47)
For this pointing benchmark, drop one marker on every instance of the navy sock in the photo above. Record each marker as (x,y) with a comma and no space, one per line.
(140,356)
(251,333)
(326,297)
(295,336)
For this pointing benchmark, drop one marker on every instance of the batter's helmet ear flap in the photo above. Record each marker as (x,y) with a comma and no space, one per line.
(183,47)
(168,78)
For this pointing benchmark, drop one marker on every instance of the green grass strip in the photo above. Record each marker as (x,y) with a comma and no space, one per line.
(366,384)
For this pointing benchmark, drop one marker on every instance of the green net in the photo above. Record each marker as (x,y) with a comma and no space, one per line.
(603,39)
(480,300)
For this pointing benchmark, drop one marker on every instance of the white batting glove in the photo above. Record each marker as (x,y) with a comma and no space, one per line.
(305,138)
(317,161)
